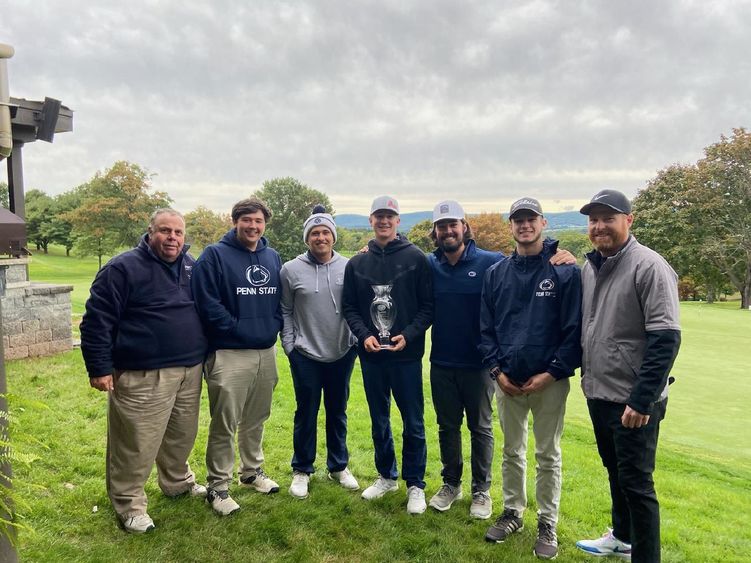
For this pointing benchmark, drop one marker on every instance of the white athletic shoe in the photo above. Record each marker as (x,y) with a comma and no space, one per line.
(608,544)
(138,524)
(197,490)
(380,487)
(415,500)
(221,502)
(299,486)
(260,482)
(345,479)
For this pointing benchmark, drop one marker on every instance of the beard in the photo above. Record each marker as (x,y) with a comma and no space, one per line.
(450,246)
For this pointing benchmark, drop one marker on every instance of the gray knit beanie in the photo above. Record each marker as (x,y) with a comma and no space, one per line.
(319,217)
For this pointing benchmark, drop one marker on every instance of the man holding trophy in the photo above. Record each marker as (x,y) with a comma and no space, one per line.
(388,304)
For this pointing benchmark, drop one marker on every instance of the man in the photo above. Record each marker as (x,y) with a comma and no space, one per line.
(143,343)
(630,337)
(393,281)
(530,326)
(458,381)
(237,290)
(321,352)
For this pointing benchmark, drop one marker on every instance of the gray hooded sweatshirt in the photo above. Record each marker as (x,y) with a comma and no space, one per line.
(312,310)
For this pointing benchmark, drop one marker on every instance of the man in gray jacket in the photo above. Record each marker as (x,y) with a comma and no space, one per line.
(321,351)
(630,338)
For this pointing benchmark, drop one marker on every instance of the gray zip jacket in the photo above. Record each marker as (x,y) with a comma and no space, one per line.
(312,310)
(633,293)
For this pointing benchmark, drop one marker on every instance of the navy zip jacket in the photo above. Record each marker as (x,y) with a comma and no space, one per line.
(238,294)
(141,316)
(456,321)
(530,319)
(405,266)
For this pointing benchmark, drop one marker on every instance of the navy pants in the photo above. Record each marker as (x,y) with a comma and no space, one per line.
(629,456)
(404,381)
(311,378)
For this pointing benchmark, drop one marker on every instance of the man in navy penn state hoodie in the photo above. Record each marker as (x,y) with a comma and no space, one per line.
(237,289)
(395,367)
(530,321)
(142,342)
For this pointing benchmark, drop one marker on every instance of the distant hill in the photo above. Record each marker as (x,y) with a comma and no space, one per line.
(556,221)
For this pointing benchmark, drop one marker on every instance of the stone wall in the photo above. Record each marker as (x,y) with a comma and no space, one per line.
(36,316)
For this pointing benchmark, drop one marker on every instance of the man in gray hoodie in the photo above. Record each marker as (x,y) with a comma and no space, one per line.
(321,351)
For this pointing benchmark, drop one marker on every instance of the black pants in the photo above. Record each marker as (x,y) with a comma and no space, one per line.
(310,378)
(629,456)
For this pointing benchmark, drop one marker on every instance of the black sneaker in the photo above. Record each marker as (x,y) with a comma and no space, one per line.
(546,546)
(505,525)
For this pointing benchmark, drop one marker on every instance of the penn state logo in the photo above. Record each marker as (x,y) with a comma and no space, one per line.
(257,275)
(317,220)
(188,270)
(546,285)
(472,274)
(444,208)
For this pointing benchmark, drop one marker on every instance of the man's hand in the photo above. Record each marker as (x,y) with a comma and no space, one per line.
(507,386)
(103,383)
(561,257)
(371,344)
(537,383)
(399,343)
(633,419)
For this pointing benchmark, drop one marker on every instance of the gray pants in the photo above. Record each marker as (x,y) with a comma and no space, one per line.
(548,408)
(152,416)
(240,384)
(456,392)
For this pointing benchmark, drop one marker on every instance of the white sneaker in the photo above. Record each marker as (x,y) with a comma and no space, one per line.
(380,487)
(345,479)
(299,486)
(260,482)
(445,497)
(415,500)
(221,502)
(197,490)
(482,505)
(608,544)
(138,524)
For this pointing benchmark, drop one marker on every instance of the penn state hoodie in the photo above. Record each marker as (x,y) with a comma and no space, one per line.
(237,293)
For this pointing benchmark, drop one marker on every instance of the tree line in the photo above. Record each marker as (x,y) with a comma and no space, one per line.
(696,215)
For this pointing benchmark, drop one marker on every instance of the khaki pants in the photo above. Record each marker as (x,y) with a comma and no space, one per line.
(548,408)
(240,384)
(152,416)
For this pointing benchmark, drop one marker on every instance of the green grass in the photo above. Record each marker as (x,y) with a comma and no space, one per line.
(704,467)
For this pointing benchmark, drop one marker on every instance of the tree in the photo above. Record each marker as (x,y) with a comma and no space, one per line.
(38,218)
(351,240)
(491,232)
(61,229)
(115,209)
(204,226)
(291,202)
(419,235)
(576,242)
(4,195)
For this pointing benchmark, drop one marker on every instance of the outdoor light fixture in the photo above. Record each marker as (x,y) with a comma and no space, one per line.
(6,137)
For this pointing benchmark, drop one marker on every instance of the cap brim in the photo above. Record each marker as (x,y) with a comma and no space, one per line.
(587,209)
(511,215)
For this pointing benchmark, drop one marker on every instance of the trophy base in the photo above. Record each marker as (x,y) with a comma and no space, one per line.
(385,343)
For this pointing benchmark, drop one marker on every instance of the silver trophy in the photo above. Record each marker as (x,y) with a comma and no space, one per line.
(383,313)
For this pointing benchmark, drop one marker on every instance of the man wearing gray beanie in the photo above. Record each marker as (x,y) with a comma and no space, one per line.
(321,351)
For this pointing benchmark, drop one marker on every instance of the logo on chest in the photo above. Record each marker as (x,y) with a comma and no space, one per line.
(546,288)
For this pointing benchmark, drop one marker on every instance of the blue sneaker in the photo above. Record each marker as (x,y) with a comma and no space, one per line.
(608,544)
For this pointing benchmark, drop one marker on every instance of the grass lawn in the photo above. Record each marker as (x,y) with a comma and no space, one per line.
(704,469)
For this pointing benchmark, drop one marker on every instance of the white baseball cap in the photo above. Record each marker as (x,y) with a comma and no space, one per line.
(448,209)
(385,203)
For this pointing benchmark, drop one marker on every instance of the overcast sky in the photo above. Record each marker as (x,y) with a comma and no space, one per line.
(483,102)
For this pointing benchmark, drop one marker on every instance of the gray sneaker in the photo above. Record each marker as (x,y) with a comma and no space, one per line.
(138,524)
(221,502)
(505,525)
(546,546)
(260,482)
(445,497)
(482,505)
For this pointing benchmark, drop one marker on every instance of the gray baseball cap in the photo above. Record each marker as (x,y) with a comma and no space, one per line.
(385,203)
(609,198)
(525,204)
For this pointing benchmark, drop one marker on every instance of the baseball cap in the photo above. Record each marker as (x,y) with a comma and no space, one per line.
(609,198)
(448,209)
(525,204)
(385,203)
